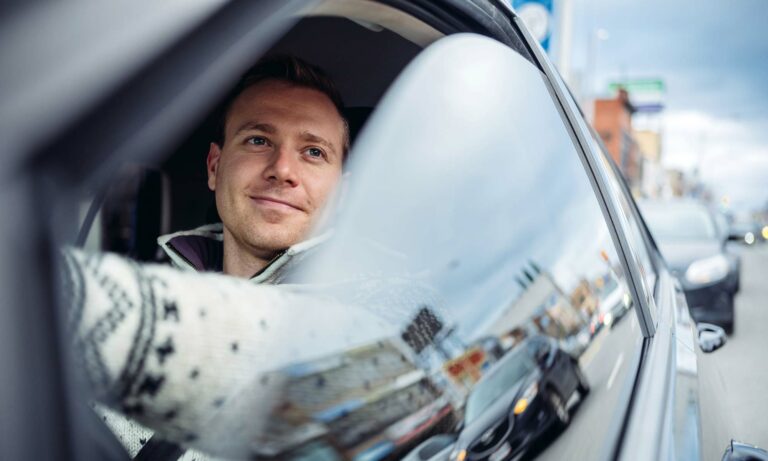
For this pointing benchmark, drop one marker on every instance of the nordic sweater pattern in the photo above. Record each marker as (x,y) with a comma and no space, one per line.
(197,356)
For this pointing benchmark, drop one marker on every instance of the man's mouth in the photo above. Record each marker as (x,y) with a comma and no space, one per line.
(275,203)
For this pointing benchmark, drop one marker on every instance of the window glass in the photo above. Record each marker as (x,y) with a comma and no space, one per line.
(472,233)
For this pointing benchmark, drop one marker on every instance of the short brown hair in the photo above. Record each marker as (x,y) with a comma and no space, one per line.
(292,70)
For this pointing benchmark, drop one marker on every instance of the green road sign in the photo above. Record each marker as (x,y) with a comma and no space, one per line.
(649,85)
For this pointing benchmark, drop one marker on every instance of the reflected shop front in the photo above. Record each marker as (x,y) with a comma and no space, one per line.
(504,318)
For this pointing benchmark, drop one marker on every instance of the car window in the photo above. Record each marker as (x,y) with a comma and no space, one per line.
(469,215)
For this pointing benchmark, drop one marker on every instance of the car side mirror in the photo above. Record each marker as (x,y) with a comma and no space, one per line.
(739,451)
(711,337)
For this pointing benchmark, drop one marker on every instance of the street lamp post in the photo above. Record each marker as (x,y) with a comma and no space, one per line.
(595,37)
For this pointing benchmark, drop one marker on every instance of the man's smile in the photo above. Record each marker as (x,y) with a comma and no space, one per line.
(274,203)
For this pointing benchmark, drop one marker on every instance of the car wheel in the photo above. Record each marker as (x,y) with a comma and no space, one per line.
(562,416)
(583,386)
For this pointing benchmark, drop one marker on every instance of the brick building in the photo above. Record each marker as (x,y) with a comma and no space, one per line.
(613,122)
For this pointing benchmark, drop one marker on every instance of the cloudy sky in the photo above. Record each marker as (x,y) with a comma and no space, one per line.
(713,58)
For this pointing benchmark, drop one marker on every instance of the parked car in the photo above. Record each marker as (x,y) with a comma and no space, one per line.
(518,400)
(695,250)
(478,197)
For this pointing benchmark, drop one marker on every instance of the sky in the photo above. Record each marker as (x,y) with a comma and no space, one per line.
(713,58)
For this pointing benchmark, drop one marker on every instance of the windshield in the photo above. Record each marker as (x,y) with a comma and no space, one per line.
(508,373)
(679,222)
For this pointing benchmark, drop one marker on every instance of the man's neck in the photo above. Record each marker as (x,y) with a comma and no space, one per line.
(240,262)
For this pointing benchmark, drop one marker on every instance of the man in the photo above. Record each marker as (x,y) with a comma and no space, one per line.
(273,169)
(176,352)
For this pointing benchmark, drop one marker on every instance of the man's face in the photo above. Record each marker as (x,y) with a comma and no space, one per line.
(281,159)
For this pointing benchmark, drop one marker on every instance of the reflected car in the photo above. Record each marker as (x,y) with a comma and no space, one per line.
(690,240)
(613,304)
(524,394)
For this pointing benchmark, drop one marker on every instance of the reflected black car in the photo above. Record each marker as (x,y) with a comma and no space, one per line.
(694,247)
(526,393)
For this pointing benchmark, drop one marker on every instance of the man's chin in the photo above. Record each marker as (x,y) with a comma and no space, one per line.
(275,241)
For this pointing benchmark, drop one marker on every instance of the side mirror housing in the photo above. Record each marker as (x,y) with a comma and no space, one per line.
(711,337)
(739,451)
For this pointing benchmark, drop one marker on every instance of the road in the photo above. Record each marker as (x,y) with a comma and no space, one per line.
(733,381)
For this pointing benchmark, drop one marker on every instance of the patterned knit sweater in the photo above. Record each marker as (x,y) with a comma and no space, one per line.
(197,357)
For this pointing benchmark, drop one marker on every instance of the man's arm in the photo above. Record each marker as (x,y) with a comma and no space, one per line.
(196,357)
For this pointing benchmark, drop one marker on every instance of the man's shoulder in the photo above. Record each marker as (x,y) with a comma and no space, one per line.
(213,231)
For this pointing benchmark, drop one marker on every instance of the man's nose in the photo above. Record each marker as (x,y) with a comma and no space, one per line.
(282,168)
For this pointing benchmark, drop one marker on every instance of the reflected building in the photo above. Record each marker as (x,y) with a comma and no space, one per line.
(368,403)
(542,307)
(583,298)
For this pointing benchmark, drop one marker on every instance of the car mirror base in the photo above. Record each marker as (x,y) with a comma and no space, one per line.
(711,337)
(740,451)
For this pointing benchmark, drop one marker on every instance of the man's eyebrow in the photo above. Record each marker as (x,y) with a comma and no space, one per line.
(310,137)
(255,126)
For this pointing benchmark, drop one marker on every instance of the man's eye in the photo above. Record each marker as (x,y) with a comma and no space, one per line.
(315,152)
(256,141)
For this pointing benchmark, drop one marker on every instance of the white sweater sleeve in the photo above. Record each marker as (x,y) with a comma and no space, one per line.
(198,357)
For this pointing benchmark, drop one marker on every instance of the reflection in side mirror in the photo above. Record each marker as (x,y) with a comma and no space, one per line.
(711,337)
(739,451)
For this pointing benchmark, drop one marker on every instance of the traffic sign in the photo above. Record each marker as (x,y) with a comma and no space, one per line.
(537,16)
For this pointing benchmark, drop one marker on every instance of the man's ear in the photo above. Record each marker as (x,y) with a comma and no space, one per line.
(212,163)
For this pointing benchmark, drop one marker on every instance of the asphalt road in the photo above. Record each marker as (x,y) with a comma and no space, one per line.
(733,381)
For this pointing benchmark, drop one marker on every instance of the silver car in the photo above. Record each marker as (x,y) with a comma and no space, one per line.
(478,195)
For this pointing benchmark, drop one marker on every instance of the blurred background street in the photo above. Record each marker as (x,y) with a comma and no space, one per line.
(733,378)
